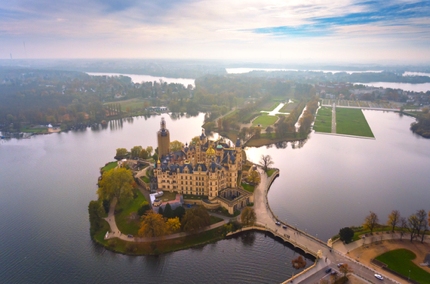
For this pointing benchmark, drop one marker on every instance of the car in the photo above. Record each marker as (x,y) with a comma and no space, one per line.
(379,276)
(339,264)
(130,236)
(284,226)
(278,223)
(328,270)
(333,272)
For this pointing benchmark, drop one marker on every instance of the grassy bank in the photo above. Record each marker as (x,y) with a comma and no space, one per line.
(126,224)
(351,121)
(323,120)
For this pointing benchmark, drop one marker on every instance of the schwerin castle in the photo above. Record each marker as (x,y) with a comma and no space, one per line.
(206,168)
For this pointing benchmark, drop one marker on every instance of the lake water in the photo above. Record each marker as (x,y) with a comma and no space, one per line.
(46,183)
(423,87)
(148,78)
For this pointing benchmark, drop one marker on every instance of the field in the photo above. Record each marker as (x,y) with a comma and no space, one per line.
(351,121)
(125,224)
(264,120)
(400,260)
(323,120)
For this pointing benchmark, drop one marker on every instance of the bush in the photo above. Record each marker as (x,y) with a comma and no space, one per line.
(346,234)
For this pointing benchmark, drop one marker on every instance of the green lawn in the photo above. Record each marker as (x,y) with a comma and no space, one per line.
(248,187)
(264,120)
(400,260)
(145,179)
(351,121)
(323,120)
(109,166)
(270,172)
(125,225)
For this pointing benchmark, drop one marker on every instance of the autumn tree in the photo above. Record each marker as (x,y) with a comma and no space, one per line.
(152,225)
(176,146)
(413,226)
(173,225)
(266,161)
(370,221)
(143,154)
(393,219)
(253,177)
(195,218)
(149,150)
(299,262)
(345,269)
(116,183)
(248,216)
(422,223)
(346,234)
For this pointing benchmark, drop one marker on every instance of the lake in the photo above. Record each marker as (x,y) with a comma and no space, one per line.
(423,87)
(47,182)
(135,78)
(328,183)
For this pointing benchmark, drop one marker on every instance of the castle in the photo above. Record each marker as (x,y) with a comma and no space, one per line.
(205,168)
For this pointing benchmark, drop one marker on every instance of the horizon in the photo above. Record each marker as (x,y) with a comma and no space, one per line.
(309,32)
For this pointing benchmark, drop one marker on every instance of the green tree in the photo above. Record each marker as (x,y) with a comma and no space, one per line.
(195,218)
(143,154)
(135,151)
(266,161)
(248,216)
(149,150)
(179,212)
(143,208)
(116,183)
(152,225)
(393,219)
(96,213)
(370,222)
(346,234)
(176,146)
(168,212)
(121,153)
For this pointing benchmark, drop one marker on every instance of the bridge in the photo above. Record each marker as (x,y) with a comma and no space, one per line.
(325,255)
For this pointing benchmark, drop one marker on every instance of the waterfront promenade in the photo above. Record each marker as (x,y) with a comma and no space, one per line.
(326,256)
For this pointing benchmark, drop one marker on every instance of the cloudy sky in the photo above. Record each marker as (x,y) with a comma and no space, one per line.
(354,31)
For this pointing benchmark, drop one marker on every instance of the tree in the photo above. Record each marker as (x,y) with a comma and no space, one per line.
(143,154)
(370,222)
(179,212)
(173,225)
(393,219)
(346,234)
(422,223)
(149,150)
(96,212)
(195,218)
(253,177)
(152,225)
(248,216)
(299,262)
(266,162)
(413,226)
(269,130)
(176,146)
(403,226)
(345,269)
(116,183)
(135,151)
(143,208)
(121,153)
(168,212)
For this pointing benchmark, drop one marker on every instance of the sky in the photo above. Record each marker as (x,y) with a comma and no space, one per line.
(393,31)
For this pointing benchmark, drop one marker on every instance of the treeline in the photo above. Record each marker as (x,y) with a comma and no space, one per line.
(422,125)
(417,225)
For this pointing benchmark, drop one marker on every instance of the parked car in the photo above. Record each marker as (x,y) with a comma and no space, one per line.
(328,270)
(130,236)
(283,226)
(339,264)
(333,272)
(379,276)
(278,223)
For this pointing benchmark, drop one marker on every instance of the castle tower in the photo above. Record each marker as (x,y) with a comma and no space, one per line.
(163,138)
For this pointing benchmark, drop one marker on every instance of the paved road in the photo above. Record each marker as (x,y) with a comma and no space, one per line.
(333,119)
(329,257)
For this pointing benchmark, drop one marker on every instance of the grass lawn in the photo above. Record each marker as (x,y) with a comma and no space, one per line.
(351,121)
(109,166)
(131,106)
(167,196)
(323,120)
(125,225)
(36,130)
(248,187)
(145,179)
(264,120)
(400,260)
(289,107)
(270,172)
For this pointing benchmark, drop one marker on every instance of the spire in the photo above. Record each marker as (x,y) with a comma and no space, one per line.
(163,124)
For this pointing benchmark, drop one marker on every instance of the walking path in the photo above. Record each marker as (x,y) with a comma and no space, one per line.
(333,119)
